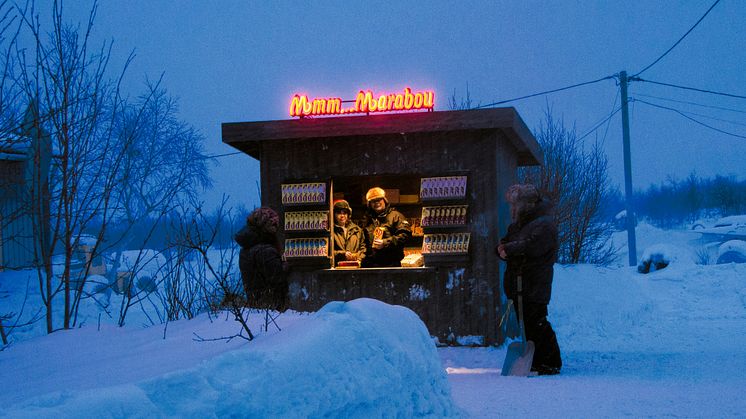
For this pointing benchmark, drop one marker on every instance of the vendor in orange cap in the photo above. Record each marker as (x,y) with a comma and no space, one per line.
(349,241)
(386,231)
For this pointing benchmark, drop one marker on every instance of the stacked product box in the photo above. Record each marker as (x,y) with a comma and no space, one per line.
(303,193)
(444,187)
(454,215)
(453,243)
(306,247)
(306,220)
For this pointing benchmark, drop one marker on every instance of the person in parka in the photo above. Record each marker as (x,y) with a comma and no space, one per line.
(260,261)
(530,250)
(349,241)
(386,231)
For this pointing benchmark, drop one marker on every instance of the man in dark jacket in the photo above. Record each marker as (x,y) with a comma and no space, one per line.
(530,250)
(349,242)
(386,231)
(260,261)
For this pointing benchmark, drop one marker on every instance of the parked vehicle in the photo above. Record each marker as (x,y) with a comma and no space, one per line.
(733,251)
(724,229)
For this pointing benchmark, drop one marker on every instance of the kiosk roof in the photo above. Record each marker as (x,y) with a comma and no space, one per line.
(248,136)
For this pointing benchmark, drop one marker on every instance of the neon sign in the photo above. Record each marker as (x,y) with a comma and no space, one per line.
(365,102)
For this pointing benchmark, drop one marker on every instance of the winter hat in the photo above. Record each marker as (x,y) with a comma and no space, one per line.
(264,219)
(375,193)
(525,196)
(342,205)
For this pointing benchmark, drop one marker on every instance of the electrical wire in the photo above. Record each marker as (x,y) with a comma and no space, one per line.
(690,118)
(616,97)
(690,88)
(680,39)
(597,126)
(544,93)
(706,116)
(693,103)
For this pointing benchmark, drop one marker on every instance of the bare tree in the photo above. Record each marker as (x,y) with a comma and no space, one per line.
(10,95)
(112,160)
(576,180)
(165,168)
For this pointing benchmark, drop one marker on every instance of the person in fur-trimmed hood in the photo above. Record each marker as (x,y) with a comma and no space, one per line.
(260,261)
(530,250)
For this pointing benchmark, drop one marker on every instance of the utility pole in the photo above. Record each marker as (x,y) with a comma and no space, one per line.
(631,240)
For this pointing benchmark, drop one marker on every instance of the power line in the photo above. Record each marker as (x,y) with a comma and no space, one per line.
(693,103)
(680,39)
(690,118)
(597,126)
(712,117)
(546,92)
(690,88)
(616,96)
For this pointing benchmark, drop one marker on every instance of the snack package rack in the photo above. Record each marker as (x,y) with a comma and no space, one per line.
(306,247)
(455,243)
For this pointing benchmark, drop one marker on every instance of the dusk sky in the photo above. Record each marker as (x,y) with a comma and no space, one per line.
(233,61)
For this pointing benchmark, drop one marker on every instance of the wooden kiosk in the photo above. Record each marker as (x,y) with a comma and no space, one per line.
(445,171)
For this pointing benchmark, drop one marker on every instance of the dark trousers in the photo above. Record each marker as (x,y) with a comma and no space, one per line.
(547,358)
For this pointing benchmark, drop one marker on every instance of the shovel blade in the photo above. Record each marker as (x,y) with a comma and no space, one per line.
(518,359)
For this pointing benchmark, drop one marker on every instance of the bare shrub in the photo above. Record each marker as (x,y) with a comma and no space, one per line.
(576,181)
(208,280)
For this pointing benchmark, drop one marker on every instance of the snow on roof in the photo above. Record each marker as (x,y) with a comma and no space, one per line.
(14,148)
(14,144)
(728,228)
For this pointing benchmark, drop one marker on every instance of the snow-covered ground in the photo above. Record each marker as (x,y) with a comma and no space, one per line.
(671,343)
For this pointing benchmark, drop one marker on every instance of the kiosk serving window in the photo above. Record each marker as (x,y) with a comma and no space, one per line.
(435,206)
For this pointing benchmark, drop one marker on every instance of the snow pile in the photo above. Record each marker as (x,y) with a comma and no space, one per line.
(358,359)
(660,256)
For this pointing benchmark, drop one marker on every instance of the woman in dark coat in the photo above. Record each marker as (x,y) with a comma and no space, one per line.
(530,250)
(260,261)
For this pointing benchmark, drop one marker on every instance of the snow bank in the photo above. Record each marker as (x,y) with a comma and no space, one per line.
(664,256)
(612,310)
(363,358)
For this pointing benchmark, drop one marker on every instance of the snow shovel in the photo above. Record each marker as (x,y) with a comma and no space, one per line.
(520,354)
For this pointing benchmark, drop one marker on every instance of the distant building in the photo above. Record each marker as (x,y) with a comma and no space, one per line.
(25,159)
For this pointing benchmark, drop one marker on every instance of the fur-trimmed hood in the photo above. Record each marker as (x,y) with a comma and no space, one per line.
(261,227)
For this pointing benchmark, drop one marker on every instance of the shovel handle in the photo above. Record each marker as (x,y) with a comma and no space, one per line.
(519,288)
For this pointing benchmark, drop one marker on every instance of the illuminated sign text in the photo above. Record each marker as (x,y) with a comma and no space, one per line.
(365,102)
